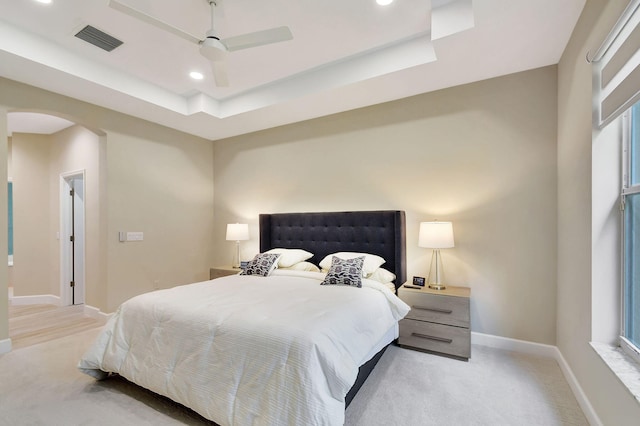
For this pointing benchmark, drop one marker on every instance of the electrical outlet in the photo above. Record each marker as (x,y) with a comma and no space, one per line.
(156,284)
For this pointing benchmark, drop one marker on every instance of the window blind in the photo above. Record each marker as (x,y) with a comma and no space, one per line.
(616,68)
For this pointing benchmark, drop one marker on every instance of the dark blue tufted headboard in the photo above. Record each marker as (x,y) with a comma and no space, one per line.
(376,232)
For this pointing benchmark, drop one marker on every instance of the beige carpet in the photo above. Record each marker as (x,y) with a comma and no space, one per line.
(39,385)
(495,387)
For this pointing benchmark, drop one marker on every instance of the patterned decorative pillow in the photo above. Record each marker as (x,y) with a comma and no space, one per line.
(262,264)
(345,272)
(371,261)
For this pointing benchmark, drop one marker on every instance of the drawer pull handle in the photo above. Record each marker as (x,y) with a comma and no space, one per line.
(437,339)
(442,311)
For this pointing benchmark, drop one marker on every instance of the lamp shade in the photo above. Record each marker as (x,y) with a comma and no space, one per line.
(237,232)
(436,235)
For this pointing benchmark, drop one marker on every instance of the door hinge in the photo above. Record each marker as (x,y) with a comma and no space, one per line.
(71,238)
(622,204)
(71,192)
(72,284)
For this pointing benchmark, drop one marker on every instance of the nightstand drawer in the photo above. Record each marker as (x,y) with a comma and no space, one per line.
(442,309)
(428,336)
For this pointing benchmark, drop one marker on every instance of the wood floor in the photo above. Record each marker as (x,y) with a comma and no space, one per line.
(33,324)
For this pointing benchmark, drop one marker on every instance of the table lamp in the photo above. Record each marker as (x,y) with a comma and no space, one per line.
(436,235)
(237,232)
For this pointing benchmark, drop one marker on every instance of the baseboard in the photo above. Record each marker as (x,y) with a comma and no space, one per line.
(547,351)
(5,346)
(50,299)
(513,345)
(46,299)
(582,399)
(96,313)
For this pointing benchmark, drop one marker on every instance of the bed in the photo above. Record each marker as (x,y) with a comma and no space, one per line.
(279,349)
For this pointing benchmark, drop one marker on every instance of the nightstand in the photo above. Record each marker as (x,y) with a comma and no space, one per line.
(439,321)
(222,271)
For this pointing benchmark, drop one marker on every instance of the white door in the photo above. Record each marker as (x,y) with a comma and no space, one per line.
(72,239)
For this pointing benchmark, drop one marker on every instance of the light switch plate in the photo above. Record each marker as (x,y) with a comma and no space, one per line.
(135,236)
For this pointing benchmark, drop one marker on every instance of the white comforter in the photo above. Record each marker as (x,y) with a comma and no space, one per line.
(246,350)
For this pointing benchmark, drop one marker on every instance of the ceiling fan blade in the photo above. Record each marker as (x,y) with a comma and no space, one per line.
(152,21)
(219,69)
(258,38)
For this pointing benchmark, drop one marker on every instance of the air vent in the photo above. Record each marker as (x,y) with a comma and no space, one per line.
(98,38)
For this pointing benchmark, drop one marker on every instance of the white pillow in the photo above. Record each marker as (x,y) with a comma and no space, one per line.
(290,257)
(371,261)
(303,266)
(382,276)
(391,287)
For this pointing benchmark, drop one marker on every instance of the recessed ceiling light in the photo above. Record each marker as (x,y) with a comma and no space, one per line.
(384,2)
(196,75)
(44,1)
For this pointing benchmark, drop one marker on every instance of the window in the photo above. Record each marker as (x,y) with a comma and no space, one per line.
(630,335)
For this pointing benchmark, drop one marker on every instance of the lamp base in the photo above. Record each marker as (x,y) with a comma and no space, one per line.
(236,257)
(437,286)
(435,271)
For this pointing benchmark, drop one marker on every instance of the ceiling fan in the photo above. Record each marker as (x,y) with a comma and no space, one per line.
(212,47)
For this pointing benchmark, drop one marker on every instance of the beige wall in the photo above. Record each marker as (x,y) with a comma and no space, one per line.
(4,296)
(9,158)
(31,207)
(482,155)
(156,180)
(612,402)
(163,187)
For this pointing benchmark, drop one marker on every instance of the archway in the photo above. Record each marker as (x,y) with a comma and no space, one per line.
(66,148)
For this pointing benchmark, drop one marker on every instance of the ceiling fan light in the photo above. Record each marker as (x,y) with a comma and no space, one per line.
(213,49)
